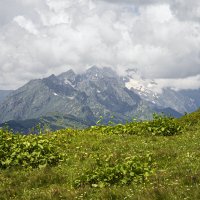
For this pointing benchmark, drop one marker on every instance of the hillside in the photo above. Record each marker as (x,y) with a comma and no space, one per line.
(148,160)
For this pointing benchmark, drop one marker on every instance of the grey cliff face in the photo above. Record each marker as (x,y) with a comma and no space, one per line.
(4,94)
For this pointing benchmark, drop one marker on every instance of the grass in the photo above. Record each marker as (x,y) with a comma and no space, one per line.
(176,168)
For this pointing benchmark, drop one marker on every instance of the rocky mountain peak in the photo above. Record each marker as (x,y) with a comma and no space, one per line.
(97,73)
(69,75)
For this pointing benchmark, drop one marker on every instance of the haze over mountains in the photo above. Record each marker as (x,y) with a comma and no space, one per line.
(148,89)
(96,92)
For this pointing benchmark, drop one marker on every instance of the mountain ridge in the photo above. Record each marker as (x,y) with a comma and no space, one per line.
(94,93)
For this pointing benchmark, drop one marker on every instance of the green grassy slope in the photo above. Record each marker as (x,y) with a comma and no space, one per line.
(99,153)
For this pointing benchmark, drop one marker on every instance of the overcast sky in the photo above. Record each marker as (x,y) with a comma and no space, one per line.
(159,37)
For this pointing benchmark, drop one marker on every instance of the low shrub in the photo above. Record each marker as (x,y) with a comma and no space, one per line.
(131,170)
(160,125)
(26,151)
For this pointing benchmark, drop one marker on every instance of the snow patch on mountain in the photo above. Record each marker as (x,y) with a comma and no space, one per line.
(66,81)
(71,98)
(146,88)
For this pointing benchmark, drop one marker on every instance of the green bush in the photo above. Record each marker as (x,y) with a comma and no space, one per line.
(161,125)
(26,151)
(131,170)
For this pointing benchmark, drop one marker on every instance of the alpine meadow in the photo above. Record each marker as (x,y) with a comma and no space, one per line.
(99,99)
(156,159)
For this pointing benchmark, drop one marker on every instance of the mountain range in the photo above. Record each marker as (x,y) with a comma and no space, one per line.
(86,97)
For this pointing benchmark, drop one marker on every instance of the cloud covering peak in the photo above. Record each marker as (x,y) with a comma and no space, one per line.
(40,37)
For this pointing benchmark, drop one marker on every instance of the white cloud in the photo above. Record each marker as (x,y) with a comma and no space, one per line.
(186,10)
(26,24)
(178,84)
(40,37)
